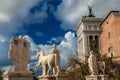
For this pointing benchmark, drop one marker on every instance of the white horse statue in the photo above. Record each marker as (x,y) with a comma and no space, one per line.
(47,62)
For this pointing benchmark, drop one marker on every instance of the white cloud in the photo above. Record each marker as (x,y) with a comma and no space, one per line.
(2,38)
(69,12)
(8,68)
(103,7)
(15,13)
(67,47)
(39,34)
(14,8)
(39,15)
(4,41)
(55,39)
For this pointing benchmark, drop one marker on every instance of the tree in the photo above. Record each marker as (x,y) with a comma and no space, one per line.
(76,69)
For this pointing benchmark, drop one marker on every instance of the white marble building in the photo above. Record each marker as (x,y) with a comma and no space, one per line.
(88,33)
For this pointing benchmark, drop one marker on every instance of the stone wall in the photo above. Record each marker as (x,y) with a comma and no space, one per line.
(110,37)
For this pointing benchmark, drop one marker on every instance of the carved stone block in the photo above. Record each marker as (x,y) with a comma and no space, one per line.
(104,77)
(17,77)
(54,77)
(46,77)
(92,77)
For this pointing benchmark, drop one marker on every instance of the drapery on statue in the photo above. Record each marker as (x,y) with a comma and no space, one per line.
(92,64)
(19,53)
(50,61)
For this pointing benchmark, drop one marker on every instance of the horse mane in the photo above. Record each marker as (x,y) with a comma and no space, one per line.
(41,53)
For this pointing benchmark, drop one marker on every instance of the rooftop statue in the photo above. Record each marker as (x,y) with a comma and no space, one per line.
(90,11)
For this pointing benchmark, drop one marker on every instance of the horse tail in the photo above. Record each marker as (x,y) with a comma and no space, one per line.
(56,59)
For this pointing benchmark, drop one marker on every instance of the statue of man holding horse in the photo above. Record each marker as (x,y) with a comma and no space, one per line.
(50,61)
(56,68)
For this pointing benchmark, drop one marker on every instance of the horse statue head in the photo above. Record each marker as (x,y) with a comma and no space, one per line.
(40,53)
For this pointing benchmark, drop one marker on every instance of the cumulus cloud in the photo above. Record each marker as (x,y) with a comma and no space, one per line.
(39,34)
(103,7)
(4,41)
(14,8)
(8,68)
(67,47)
(38,15)
(13,15)
(11,12)
(55,40)
(69,12)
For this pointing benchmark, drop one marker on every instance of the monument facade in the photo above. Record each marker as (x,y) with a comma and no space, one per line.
(88,33)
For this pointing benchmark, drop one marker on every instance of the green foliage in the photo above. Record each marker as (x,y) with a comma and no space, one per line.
(112,68)
(78,70)
(1,78)
(35,78)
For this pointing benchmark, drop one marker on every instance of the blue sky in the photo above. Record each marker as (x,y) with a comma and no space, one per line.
(45,22)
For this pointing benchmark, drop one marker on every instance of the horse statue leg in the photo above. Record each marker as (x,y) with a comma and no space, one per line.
(57,63)
(58,69)
(54,70)
(49,67)
(44,69)
(36,67)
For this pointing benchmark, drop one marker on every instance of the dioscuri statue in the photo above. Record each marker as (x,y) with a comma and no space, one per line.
(92,64)
(50,61)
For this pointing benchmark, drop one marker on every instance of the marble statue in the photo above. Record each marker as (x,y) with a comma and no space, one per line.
(56,68)
(43,60)
(101,67)
(20,56)
(90,11)
(52,61)
(19,53)
(92,64)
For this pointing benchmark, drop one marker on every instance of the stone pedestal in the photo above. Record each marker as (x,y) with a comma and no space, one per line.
(54,77)
(46,77)
(17,76)
(92,77)
(97,77)
(62,76)
(104,77)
